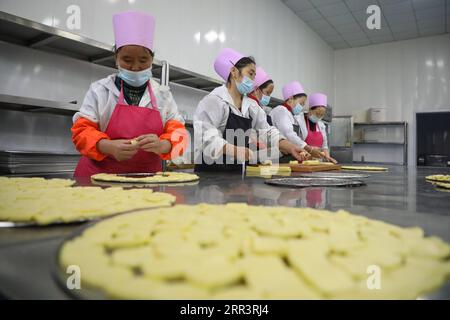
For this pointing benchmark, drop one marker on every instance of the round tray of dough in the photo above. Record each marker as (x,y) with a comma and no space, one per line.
(145,178)
(236,251)
(26,202)
(314,182)
(364,168)
(334,175)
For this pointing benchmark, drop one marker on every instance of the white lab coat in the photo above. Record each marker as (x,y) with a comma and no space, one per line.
(284,120)
(211,117)
(102,97)
(267,109)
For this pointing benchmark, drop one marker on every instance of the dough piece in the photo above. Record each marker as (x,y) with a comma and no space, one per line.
(236,251)
(439,177)
(159,177)
(134,142)
(267,163)
(364,168)
(23,201)
(293,162)
(12,184)
(311,162)
(268,170)
(443,185)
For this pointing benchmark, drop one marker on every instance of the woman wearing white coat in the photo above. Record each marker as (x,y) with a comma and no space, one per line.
(128,122)
(284,117)
(227,109)
(312,129)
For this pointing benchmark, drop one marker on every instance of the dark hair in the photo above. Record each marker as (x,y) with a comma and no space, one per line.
(241,64)
(265,84)
(150,51)
(297,96)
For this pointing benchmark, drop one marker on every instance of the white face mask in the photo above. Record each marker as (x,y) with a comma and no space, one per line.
(135,78)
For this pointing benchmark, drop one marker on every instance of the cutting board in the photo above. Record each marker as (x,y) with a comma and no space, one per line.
(312,168)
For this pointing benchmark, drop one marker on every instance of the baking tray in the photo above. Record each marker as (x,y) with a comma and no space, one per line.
(314,182)
(60,277)
(12,224)
(137,182)
(334,175)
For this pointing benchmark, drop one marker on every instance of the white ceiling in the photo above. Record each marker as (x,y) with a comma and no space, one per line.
(342,23)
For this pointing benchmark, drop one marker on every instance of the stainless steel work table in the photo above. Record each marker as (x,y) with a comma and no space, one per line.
(400,196)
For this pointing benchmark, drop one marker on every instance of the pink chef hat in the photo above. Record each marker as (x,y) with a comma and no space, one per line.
(134,28)
(292,89)
(261,77)
(317,99)
(225,60)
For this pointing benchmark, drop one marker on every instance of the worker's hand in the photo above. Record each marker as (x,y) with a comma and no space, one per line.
(299,154)
(242,154)
(152,143)
(253,140)
(330,159)
(316,153)
(120,149)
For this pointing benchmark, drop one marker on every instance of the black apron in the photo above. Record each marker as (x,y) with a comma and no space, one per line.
(288,158)
(269,120)
(234,122)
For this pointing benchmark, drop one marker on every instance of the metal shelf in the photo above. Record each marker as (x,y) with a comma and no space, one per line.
(11,102)
(380,143)
(403,144)
(28,33)
(392,123)
(38,36)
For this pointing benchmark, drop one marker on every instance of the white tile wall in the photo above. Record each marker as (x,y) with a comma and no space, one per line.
(405,77)
(283,44)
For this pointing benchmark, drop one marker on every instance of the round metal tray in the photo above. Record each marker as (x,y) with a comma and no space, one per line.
(30,224)
(90,293)
(334,175)
(60,276)
(314,182)
(135,179)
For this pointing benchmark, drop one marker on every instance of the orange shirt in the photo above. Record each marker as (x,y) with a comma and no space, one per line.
(86,135)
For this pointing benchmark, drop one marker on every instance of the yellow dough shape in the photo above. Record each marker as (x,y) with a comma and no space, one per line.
(134,142)
(236,251)
(267,163)
(24,201)
(159,177)
(311,162)
(7,183)
(443,185)
(269,170)
(293,162)
(364,168)
(439,177)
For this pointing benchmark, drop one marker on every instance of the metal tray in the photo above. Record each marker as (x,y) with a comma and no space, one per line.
(90,293)
(314,182)
(60,277)
(138,176)
(334,175)
(13,224)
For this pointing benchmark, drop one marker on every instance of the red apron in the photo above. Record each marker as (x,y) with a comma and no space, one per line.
(314,197)
(128,122)
(314,138)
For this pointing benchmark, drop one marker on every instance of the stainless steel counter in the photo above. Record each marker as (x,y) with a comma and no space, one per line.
(400,196)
